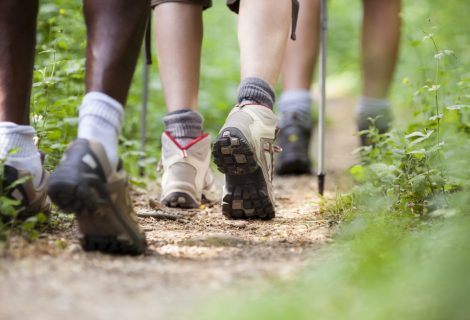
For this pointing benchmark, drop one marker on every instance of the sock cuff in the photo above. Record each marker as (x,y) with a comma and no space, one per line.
(295,95)
(106,108)
(184,123)
(13,128)
(367,104)
(14,136)
(104,98)
(256,90)
(295,101)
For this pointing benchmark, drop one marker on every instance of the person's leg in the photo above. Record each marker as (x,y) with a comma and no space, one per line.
(295,102)
(263,30)
(114,35)
(185,149)
(17,42)
(301,55)
(380,45)
(89,181)
(244,147)
(178,38)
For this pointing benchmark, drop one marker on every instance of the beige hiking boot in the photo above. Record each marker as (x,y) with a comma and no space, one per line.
(86,184)
(187,177)
(244,153)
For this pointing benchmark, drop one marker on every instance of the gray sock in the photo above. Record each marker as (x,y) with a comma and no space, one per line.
(256,90)
(184,125)
(296,104)
(378,109)
(299,101)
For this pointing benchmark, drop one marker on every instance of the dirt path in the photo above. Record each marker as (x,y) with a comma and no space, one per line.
(189,258)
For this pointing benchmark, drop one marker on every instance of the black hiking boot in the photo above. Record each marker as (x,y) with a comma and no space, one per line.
(86,184)
(294,139)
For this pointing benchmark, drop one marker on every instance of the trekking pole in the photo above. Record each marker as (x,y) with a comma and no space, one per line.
(322,75)
(143,115)
(145,92)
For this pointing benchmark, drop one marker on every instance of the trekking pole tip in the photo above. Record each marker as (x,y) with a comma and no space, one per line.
(321,183)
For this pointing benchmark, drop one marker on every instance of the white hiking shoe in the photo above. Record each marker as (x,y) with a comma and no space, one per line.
(244,153)
(186,174)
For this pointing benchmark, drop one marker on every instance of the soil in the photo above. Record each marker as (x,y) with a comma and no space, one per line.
(192,254)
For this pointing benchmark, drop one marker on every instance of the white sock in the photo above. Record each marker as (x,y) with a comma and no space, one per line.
(100,119)
(378,109)
(26,157)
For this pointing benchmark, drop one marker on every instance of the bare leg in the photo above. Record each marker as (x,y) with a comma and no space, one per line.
(301,55)
(17,42)
(114,32)
(178,34)
(97,189)
(242,150)
(380,44)
(263,30)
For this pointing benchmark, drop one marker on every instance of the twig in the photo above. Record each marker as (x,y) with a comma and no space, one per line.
(165,216)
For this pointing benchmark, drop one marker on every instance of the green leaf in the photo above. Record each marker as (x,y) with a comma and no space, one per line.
(358,172)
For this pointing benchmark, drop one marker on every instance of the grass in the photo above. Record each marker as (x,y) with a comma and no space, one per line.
(375,270)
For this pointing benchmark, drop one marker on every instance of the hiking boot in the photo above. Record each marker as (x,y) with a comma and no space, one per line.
(244,153)
(86,184)
(32,199)
(295,131)
(187,178)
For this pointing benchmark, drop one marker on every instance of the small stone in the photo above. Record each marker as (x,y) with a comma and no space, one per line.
(238,224)
(74,248)
(155,204)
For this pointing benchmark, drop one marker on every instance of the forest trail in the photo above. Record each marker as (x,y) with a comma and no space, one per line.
(189,258)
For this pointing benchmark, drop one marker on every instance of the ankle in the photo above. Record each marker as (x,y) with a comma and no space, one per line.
(296,101)
(257,91)
(100,119)
(184,125)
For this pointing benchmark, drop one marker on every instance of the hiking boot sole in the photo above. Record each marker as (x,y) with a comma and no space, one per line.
(104,227)
(179,200)
(246,190)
